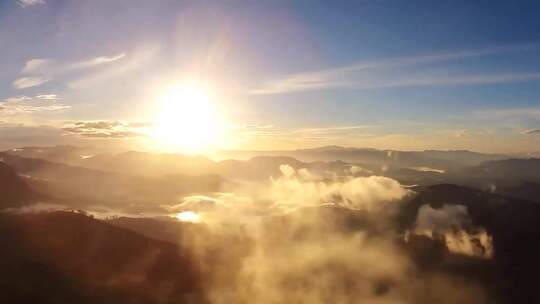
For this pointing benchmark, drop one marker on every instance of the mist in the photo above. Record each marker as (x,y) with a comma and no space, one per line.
(319,240)
(274,229)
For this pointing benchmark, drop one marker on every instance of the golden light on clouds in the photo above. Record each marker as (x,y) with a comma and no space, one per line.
(188,119)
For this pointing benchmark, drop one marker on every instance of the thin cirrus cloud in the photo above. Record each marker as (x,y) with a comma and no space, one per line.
(94,62)
(29,3)
(390,73)
(306,133)
(336,130)
(30,81)
(138,58)
(38,71)
(517,114)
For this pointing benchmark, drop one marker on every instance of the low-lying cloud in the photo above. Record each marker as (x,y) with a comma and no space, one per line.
(318,240)
(453,225)
(295,189)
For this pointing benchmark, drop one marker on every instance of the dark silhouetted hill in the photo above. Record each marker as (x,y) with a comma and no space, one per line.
(14,192)
(513,170)
(64,257)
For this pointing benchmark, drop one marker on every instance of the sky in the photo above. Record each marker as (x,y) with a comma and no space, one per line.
(407,75)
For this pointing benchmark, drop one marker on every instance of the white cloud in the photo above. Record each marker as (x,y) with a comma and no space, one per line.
(28,82)
(356,170)
(20,105)
(28,3)
(17,98)
(295,189)
(106,129)
(453,225)
(47,96)
(36,64)
(344,249)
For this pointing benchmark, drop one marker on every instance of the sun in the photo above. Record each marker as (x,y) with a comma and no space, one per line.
(187,119)
(188,216)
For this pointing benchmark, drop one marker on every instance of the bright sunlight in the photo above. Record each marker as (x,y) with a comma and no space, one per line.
(188,216)
(187,119)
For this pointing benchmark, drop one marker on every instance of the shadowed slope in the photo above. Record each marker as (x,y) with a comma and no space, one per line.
(14,190)
(63,257)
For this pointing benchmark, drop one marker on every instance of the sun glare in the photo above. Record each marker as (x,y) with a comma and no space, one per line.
(188,216)
(187,119)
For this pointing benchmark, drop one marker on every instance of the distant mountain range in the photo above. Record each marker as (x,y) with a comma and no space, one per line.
(430,158)
(76,177)
(155,164)
(79,187)
(76,155)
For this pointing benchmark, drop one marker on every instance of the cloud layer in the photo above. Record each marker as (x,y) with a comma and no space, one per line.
(105,129)
(22,105)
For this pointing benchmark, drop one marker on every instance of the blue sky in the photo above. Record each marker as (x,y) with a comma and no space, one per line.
(285,74)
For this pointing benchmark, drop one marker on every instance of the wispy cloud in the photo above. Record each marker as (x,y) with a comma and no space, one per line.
(28,82)
(29,3)
(305,134)
(47,96)
(50,66)
(390,73)
(40,70)
(509,113)
(94,62)
(341,130)
(36,64)
(134,61)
